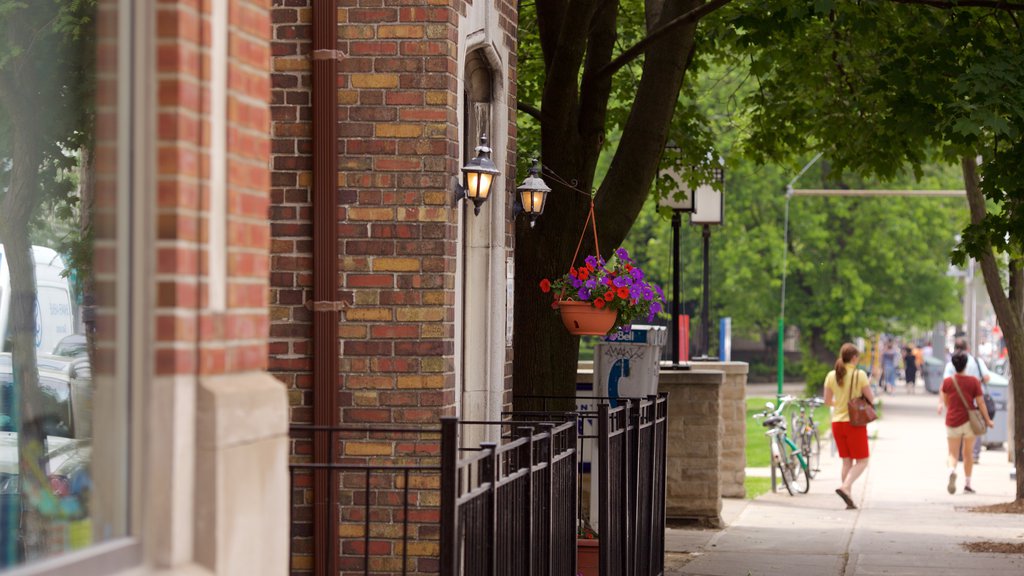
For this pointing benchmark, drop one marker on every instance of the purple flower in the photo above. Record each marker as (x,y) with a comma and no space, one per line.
(655,307)
(591,284)
(661,295)
(591,261)
(576,282)
(637,274)
(584,294)
(621,281)
(634,291)
(622,254)
(648,293)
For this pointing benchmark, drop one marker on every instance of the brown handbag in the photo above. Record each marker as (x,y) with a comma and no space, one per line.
(860,410)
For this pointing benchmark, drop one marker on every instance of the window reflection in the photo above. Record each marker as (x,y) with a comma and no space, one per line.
(59,184)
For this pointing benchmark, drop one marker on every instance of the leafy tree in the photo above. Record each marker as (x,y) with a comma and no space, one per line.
(586,68)
(882,85)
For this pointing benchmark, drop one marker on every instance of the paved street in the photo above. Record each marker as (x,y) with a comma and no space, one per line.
(907,523)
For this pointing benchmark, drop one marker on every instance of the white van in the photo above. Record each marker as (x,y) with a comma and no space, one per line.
(55,317)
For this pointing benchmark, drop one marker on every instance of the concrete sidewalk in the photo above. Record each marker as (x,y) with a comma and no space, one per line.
(907,523)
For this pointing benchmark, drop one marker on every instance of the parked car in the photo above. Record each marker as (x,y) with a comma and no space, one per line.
(73,346)
(66,415)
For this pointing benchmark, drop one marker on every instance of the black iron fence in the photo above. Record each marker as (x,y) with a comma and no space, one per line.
(410,500)
(509,508)
(622,441)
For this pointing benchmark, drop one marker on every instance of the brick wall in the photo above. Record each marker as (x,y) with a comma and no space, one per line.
(190,338)
(398,148)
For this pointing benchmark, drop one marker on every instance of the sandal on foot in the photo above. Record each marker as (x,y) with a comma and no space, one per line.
(846,498)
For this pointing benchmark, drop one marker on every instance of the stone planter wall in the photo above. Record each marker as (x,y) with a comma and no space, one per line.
(732,458)
(693,487)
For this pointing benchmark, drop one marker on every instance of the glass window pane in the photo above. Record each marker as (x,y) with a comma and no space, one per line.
(62,182)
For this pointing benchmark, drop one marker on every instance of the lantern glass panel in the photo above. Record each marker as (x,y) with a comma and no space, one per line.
(478,185)
(708,203)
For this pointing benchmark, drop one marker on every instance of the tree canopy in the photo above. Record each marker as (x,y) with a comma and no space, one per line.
(878,86)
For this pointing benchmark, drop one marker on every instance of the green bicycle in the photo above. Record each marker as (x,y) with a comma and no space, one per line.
(786,455)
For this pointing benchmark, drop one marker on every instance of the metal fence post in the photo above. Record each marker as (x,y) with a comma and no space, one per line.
(449,494)
(489,473)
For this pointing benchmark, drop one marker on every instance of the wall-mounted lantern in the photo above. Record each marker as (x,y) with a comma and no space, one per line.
(479,175)
(532,194)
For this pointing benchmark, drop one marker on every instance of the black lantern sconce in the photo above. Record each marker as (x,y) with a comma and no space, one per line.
(532,195)
(479,175)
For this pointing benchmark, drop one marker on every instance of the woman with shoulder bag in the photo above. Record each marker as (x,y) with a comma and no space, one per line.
(843,384)
(961,394)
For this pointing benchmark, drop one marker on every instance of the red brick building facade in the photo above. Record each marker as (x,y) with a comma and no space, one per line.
(419,303)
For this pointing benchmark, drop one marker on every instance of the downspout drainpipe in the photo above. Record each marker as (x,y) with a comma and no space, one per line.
(325,282)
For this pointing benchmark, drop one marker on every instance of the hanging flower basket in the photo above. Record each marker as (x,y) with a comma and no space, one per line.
(583,319)
(601,296)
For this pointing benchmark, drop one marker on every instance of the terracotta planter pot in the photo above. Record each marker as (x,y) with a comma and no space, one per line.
(587,557)
(582,319)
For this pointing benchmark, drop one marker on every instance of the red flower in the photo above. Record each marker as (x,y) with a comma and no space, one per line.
(609,295)
(590,266)
(584,273)
(628,267)
(599,303)
(623,292)
(572,271)
(554,305)
(545,285)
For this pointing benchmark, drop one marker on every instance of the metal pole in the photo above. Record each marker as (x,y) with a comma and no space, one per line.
(782,305)
(676,304)
(706,312)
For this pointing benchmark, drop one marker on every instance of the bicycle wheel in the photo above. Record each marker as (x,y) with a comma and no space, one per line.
(782,463)
(799,480)
(810,446)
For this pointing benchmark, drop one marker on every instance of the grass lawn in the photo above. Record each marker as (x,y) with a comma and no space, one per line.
(758,452)
(756,486)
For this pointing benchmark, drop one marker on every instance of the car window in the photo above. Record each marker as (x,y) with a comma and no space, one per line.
(7,403)
(54,409)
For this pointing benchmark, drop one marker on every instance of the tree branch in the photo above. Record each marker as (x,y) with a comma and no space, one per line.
(640,47)
(950,4)
(529,109)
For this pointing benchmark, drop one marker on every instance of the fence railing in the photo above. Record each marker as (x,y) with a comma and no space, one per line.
(410,500)
(625,440)
(509,509)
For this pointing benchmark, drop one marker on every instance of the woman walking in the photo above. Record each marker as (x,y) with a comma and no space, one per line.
(841,385)
(959,394)
(910,368)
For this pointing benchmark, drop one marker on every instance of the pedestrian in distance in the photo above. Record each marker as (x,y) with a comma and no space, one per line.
(975,367)
(841,385)
(889,358)
(910,368)
(958,427)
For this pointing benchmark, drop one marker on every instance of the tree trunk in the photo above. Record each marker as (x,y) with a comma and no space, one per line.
(572,128)
(1008,312)
(19,204)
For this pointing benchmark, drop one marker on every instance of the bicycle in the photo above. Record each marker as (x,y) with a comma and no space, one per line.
(785,454)
(805,431)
